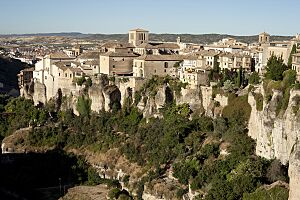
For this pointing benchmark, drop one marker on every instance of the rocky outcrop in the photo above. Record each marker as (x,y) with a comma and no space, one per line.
(294,173)
(277,136)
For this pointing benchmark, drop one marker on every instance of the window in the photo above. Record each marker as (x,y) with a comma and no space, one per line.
(58,74)
(70,75)
(166,65)
(66,75)
(114,66)
(155,71)
(46,77)
(165,70)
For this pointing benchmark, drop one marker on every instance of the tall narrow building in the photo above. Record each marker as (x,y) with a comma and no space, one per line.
(138,36)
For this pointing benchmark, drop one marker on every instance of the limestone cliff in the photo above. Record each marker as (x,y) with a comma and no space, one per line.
(277,136)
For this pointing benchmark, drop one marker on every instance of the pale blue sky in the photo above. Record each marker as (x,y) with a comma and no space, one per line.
(238,17)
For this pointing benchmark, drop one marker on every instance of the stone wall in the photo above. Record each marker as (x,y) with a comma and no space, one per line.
(278,137)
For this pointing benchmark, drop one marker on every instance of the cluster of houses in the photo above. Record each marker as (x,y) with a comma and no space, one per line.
(142,58)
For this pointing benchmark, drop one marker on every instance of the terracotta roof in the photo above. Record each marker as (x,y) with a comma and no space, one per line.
(58,55)
(75,69)
(139,30)
(264,33)
(120,54)
(117,44)
(90,55)
(92,62)
(146,46)
(207,53)
(228,55)
(190,57)
(168,46)
(160,58)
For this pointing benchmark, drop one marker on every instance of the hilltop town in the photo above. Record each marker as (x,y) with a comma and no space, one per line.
(139,58)
(165,119)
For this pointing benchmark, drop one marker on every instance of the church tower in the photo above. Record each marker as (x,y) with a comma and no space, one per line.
(138,36)
(264,38)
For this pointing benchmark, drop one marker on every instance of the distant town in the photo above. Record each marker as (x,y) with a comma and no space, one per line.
(59,64)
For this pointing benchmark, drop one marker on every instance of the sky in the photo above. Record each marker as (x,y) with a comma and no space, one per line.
(236,17)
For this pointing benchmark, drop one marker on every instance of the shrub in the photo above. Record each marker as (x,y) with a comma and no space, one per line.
(84,105)
(275,68)
(238,105)
(275,193)
(254,78)
(89,82)
(80,80)
(259,101)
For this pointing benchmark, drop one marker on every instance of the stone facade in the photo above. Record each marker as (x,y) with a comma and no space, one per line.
(278,137)
(161,65)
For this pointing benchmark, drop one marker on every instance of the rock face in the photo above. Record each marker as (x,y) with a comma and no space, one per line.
(277,136)
(294,173)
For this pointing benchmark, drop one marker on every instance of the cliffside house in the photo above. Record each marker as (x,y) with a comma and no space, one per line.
(117,63)
(194,71)
(234,61)
(161,65)
(25,76)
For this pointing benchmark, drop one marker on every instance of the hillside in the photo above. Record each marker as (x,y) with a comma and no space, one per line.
(189,38)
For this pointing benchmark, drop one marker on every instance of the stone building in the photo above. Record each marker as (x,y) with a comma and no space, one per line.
(161,65)
(207,58)
(25,76)
(234,61)
(190,72)
(263,38)
(117,63)
(138,36)
(43,68)
(296,64)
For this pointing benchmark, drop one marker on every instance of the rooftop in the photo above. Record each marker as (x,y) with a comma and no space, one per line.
(160,58)
(139,30)
(120,54)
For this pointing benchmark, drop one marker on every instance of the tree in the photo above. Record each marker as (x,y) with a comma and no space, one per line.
(81,80)
(239,79)
(89,82)
(254,78)
(84,105)
(294,50)
(228,86)
(275,68)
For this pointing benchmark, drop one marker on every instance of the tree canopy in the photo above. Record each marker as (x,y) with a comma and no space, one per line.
(275,68)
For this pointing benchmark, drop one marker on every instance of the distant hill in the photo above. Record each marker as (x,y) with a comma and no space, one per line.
(188,38)
(9,68)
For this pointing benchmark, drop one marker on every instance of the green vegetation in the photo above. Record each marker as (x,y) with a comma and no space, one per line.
(84,105)
(192,145)
(80,80)
(279,77)
(254,78)
(259,101)
(275,68)
(237,106)
(294,50)
(275,193)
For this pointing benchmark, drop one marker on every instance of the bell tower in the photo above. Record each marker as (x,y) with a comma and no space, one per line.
(138,36)
(263,38)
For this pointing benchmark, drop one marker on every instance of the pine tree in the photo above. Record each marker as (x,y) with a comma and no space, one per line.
(275,68)
(294,50)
